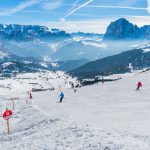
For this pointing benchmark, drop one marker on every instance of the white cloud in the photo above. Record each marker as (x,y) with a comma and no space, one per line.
(79,7)
(52,5)
(62,19)
(139,20)
(117,7)
(95,25)
(19,7)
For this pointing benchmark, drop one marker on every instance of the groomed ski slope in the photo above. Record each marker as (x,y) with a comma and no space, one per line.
(109,116)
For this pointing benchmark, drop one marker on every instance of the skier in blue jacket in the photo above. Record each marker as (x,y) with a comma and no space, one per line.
(61,97)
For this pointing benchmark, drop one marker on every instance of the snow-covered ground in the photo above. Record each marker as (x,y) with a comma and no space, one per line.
(109,116)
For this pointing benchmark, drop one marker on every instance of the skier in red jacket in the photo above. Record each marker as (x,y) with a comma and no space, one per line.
(30,94)
(139,85)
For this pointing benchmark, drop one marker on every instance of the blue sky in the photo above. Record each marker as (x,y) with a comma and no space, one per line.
(74,15)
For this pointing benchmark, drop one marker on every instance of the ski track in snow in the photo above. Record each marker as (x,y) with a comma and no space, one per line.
(112,116)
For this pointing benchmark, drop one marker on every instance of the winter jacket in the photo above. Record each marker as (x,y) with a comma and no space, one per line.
(139,84)
(61,95)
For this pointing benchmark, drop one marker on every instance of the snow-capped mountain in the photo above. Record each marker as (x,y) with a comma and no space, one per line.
(63,50)
(122,29)
(30,33)
(127,61)
(11,64)
(40,42)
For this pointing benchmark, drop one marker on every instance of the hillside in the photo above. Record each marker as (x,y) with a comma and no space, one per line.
(106,116)
(124,62)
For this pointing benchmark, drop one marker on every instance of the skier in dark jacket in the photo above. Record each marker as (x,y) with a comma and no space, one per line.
(139,85)
(61,97)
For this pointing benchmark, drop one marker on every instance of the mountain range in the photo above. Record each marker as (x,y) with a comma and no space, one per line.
(40,42)
(30,33)
(27,48)
(57,45)
(12,64)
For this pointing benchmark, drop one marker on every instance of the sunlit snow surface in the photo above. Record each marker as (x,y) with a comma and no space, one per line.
(146,50)
(109,116)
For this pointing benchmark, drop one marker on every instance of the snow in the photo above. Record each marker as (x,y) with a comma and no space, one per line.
(109,116)
(54,46)
(46,59)
(146,50)
(55,64)
(134,45)
(78,39)
(44,64)
(3,55)
(101,45)
(4,65)
(96,42)
(27,62)
(4,26)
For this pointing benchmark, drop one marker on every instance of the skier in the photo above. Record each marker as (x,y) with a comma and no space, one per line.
(139,85)
(61,97)
(30,95)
